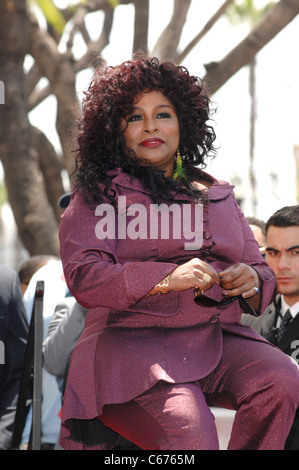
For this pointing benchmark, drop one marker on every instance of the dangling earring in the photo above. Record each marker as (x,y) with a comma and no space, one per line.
(178,172)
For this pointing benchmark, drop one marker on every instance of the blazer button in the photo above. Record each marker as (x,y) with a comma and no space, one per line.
(207,234)
(214,319)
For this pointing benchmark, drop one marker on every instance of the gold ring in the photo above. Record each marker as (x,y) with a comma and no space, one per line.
(197,292)
(206,277)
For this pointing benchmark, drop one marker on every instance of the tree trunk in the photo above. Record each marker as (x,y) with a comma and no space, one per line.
(34,218)
(166,46)
(141,25)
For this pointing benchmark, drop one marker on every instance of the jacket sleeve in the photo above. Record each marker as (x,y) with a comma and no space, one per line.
(64,330)
(92,270)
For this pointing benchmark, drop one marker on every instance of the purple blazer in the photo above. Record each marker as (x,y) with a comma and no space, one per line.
(130,341)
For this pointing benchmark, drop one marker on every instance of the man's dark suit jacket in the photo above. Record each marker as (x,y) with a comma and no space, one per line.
(13,337)
(265,324)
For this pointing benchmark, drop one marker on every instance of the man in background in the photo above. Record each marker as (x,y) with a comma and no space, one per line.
(279,324)
(29,267)
(13,340)
(258,228)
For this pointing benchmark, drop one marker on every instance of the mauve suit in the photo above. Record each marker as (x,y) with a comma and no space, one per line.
(119,354)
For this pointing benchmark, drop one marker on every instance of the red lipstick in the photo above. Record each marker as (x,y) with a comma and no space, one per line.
(152,143)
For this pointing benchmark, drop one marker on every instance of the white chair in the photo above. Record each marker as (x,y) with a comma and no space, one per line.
(224,419)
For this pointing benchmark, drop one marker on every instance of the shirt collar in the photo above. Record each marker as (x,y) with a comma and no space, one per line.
(294,309)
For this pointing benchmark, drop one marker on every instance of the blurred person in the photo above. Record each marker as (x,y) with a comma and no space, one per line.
(258,228)
(64,331)
(29,266)
(279,324)
(162,338)
(13,340)
(54,289)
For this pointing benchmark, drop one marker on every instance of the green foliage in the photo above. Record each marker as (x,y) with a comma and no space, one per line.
(52,14)
(246,11)
(113,3)
(3,193)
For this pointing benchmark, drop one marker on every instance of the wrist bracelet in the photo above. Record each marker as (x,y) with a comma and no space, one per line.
(161,288)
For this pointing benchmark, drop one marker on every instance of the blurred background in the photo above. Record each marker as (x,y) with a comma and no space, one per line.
(246,51)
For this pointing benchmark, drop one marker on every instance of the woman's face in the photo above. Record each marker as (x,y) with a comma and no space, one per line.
(152,131)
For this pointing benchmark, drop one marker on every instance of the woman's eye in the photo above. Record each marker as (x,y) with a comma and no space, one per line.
(139,117)
(163,116)
(134,117)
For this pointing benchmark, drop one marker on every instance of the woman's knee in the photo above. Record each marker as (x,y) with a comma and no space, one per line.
(280,379)
(287,380)
(168,417)
(184,415)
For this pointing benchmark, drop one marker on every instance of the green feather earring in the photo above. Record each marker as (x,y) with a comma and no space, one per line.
(178,172)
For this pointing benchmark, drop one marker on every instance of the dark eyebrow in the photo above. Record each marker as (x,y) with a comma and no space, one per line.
(295,247)
(269,248)
(159,106)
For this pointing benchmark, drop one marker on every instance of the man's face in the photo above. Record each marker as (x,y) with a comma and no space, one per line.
(282,255)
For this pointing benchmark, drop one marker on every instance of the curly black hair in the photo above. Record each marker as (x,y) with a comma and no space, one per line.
(110,97)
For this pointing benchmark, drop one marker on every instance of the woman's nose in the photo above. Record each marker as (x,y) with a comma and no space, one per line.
(150,125)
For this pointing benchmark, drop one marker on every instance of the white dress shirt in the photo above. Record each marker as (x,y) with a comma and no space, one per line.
(294,309)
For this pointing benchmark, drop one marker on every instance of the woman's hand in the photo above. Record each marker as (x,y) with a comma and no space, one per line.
(194,273)
(240,279)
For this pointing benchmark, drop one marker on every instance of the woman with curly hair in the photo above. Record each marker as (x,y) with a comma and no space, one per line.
(163,338)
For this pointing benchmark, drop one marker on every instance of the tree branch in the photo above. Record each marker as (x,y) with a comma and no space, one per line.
(96,47)
(58,69)
(276,19)
(204,31)
(51,167)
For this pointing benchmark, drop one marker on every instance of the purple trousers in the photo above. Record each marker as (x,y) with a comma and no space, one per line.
(257,380)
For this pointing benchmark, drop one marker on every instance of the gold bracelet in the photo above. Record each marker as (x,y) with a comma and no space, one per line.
(161,288)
